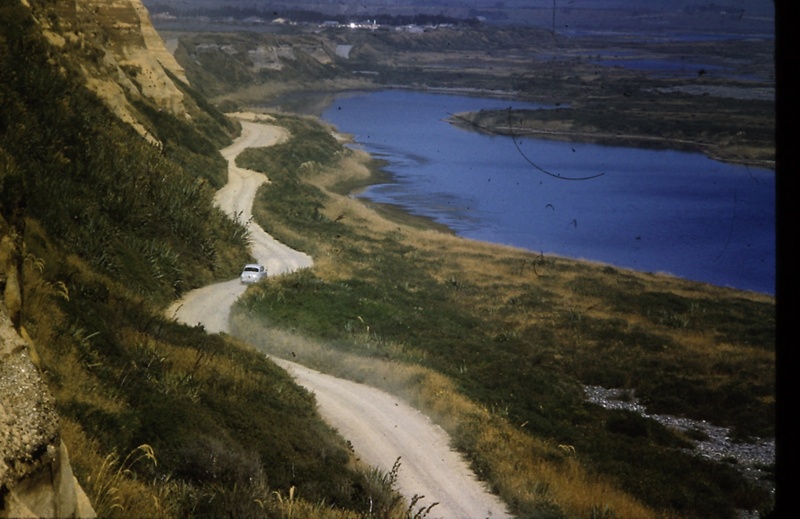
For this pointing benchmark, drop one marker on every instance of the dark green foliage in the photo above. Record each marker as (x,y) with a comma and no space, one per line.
(311,147)
(629,355)
(232,420)
(213,123)
(186,145)
(310,143)
(629,424)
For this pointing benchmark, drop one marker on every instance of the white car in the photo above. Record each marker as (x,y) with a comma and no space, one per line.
(253,273)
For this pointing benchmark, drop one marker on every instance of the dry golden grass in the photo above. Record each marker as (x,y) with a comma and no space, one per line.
(107,479)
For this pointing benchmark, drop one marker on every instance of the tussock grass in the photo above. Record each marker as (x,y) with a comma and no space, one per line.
(111,485)
(112,231)
(515,335)
(104,484)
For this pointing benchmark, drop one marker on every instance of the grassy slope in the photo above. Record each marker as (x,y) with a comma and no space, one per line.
(512,336)
(113,230)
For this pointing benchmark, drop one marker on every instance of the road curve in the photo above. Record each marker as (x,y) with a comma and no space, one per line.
(380,427)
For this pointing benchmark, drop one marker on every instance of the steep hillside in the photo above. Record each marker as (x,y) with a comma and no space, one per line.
(113,49)
(119,54)
(108,164)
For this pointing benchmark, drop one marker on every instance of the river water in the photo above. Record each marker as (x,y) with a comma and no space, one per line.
(646,209)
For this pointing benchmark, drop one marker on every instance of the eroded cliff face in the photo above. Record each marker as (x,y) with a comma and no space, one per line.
(36,478)
(113,45)
(120,54)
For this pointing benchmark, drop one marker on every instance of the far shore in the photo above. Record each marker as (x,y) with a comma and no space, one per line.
(538,129)
(611,139)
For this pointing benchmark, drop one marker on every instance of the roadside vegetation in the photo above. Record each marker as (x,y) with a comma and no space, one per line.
(497,343)
(161,419)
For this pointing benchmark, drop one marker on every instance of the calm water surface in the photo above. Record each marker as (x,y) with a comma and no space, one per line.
(651,210)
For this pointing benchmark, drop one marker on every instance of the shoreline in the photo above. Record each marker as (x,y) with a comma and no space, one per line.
(393,212)
(399,214)
(354,188)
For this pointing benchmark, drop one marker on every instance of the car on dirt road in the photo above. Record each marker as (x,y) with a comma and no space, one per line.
(253,273)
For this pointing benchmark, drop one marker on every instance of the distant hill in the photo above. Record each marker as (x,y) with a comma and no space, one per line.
(560,15)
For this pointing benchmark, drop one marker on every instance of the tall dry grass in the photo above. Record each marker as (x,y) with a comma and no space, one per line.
(109,480)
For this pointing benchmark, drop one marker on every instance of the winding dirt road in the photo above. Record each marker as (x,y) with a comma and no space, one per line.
(380,427)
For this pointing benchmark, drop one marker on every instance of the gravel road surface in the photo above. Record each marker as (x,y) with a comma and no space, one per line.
(380,427)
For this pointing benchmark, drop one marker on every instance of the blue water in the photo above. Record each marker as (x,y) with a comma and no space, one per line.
(650,210)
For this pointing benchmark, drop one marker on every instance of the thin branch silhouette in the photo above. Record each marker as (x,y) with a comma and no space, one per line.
(519,150)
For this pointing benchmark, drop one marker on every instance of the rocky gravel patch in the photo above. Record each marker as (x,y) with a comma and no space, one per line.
(28,421)
(749,458)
